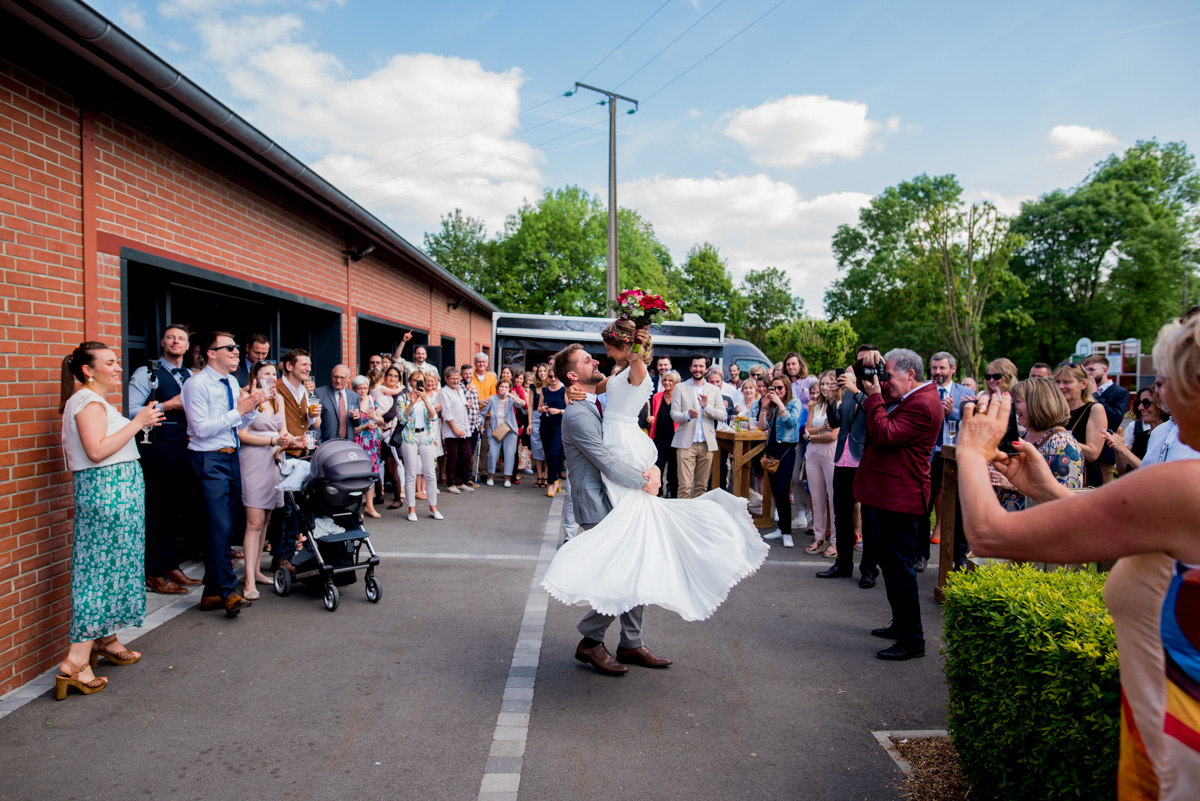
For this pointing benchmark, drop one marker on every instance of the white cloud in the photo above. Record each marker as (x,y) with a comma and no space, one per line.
(133,18)
(231,41)
(754,220)
(1007,205)
(1076,140)
(805,129)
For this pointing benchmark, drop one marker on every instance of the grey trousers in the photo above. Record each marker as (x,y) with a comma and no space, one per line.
(594,625)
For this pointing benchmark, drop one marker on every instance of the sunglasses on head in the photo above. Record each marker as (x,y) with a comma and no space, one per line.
(994,376)
(266,361)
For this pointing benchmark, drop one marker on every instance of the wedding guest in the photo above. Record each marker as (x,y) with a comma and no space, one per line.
(1147,592)
(500,410)
(1150,415)
(419,444)
(216,409)
(796,370)
(1043,412)
(554,404)
(386,396)
(822,437)
(455,432)
(260,442)
(1115,400)
(335,400)
(782,417)
(1039,370)
(474,425)
(367,420)
(970,384)
(258,348)
(484,382)
(541,377)
(419,364)
(696,410)
(662,430)
(1087,420)
(108,569)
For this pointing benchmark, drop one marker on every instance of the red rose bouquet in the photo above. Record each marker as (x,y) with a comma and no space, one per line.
(641,307)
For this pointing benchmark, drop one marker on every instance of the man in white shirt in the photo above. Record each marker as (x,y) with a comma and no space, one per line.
(418,364)
(216,408)
(696,408)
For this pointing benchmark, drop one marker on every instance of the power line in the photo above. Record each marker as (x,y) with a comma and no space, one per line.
(623,41)
(672,43)
(714,51)
(485,164)
(452,141)
(387,178)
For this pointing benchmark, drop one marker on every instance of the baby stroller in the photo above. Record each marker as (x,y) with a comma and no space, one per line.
(329,511)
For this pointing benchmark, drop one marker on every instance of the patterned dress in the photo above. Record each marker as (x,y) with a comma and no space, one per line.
(368,439)
(108,551)
(1062,453)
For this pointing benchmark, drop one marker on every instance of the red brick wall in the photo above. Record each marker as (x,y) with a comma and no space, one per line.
(161,193)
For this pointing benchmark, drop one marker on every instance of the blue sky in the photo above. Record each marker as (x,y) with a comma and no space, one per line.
(766,146)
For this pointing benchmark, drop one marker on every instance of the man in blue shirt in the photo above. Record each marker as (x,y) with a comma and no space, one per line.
(216,408)
(942,366)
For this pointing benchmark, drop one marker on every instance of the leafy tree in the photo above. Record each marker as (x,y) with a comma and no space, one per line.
(824,344)
(643,261)
(1105,259)
(462,247)
(769,302)
(702,285)
(922,269)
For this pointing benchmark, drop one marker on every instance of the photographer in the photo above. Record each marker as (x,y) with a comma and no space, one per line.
(904,415)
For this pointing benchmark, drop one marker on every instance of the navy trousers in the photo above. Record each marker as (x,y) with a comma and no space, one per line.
(895,534)
(220,477)
(169,480)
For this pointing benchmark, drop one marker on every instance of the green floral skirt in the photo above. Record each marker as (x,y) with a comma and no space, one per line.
(108,557)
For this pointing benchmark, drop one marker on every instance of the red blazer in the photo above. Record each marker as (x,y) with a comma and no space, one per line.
(894,472)
(655,406)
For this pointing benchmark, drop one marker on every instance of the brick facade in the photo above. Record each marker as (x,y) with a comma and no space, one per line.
(79,182)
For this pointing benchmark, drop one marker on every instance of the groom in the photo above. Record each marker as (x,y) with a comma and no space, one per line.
(587,460)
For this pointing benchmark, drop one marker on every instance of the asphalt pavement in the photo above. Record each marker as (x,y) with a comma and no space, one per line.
(461,684)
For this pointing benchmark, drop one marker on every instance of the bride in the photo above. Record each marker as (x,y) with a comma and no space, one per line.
(683,555)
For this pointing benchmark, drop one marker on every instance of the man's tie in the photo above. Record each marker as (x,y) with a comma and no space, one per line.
(942,430)
(229,397)
(180,374)
(342,415)
(600,408)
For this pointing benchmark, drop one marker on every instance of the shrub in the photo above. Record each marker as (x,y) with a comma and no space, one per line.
(1034,693)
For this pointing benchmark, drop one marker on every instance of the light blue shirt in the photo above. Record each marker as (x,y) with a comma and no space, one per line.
(212,425)
(139,388)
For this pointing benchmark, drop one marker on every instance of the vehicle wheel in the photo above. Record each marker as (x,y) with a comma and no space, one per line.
(373,589)
(332,597)
(283,581)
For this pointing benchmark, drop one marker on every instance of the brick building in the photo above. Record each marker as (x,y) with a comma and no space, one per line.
(130,198)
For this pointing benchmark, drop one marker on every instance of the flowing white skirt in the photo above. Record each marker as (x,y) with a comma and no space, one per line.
(681,554)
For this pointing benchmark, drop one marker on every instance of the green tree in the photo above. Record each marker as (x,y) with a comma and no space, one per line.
(462,247)
(1106,259)
(923,268)
(702,285)
(824,344)
(768,302)
(643,261)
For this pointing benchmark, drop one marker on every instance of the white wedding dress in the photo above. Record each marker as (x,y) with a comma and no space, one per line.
(683,555)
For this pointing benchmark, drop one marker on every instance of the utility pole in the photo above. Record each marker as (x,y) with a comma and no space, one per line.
(613,283)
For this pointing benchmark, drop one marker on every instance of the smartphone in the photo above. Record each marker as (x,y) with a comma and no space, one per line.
(839,372)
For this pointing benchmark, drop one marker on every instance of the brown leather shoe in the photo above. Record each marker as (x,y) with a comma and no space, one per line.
(234,603)
(182,579)
(641,656)
(210,603)
(290,567)
(164,586)
(598,657)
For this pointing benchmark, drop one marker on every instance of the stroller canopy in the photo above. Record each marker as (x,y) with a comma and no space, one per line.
(340,459)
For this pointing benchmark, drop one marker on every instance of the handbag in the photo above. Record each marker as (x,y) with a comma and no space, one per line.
(501,431)
(770,464)
(524,459)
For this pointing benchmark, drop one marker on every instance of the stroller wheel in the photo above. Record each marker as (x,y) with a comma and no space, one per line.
(283,581)
(332,597)
(373,589)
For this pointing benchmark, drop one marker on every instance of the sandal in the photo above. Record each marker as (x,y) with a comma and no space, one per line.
(816,547)
(122,659)
(64,681)
(830,552)
(236,553)
(395,505)
(421,496)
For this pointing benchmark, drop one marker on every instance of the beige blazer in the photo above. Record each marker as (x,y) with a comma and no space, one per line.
(710,414)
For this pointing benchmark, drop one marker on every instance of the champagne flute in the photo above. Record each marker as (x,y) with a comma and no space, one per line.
(952,430)
(146,430)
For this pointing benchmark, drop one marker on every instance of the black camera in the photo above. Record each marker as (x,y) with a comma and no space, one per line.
(865,373)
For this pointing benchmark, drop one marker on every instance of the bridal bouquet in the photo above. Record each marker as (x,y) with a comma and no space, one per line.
(641,307)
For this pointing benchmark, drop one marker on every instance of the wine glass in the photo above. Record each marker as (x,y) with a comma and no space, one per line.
(146,431)
(952,430)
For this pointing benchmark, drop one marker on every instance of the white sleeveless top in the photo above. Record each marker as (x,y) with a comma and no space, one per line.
(77,459)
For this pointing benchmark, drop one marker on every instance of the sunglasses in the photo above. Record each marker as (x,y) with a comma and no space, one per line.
(778,388)
(266,361)
(230,348)
(1145,402)
(994,376)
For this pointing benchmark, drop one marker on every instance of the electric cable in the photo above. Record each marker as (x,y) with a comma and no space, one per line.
(672,43)
(626,39)
(714,51)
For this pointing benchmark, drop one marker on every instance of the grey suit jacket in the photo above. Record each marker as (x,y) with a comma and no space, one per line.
(329,418)
(588,458)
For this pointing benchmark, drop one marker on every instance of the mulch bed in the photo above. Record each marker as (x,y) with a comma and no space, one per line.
(936,775)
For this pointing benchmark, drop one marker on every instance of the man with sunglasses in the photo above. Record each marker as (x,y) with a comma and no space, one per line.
(216,409)
(1115,400)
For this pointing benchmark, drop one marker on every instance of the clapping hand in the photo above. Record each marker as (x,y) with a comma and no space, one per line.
(249,401)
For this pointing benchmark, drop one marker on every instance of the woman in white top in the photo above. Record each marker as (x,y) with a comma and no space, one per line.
(108,552)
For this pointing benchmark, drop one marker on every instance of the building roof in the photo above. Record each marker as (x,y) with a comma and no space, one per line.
(80,29)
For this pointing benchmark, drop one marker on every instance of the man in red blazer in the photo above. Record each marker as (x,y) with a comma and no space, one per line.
(904,416)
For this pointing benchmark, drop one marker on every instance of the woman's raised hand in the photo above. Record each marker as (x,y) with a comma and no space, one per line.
(149,415)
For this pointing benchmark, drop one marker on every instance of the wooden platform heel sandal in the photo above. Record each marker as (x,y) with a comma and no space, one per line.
(63,682)
(122,659)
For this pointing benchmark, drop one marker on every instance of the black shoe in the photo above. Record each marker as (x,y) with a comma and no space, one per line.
(901,651)
(920,563)
(836,572)
(868,579)
(960,564)
(889,633)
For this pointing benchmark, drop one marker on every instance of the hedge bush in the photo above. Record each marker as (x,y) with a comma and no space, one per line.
(1034,694)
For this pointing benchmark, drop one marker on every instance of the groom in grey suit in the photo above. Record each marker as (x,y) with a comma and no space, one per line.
(588,459)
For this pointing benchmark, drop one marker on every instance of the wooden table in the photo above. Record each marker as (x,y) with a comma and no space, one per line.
(744,446)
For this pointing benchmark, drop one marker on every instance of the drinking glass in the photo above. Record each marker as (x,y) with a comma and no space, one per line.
(952,429)
(268,386)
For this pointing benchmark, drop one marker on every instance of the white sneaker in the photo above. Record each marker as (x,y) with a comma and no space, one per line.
(467,488)
(491,483)
(454,490)
(507,483)
(436,515)
(774,535)
(787,541)
(798,522)
(775,515)
(412,516)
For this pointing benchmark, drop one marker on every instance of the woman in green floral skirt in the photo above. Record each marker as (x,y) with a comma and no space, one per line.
(109,545)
